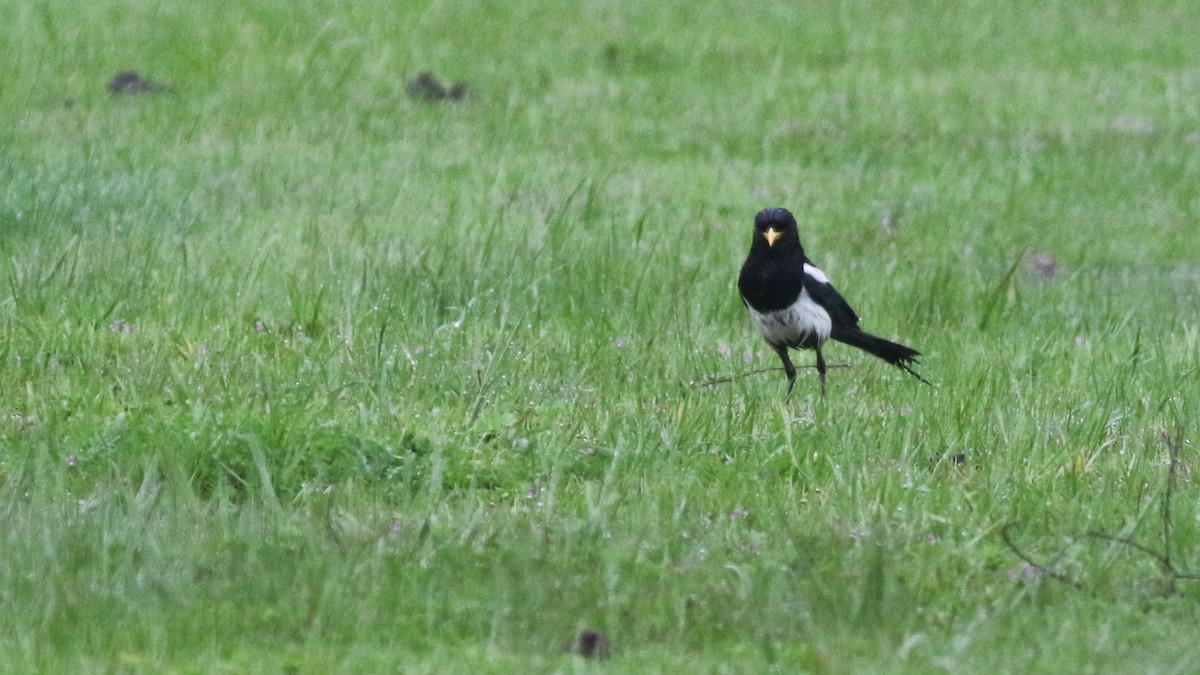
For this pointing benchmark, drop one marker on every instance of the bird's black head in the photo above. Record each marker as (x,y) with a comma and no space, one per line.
(775,231)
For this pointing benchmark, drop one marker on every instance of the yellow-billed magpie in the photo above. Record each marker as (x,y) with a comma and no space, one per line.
(794,305)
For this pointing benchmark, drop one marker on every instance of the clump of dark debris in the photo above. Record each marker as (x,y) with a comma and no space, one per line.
(130,82)
(428,87)
(593,644)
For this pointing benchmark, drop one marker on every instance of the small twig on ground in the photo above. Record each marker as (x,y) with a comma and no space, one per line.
(730,378)
(1057,576)
(1172,469)
(1125,541)
(1173,573)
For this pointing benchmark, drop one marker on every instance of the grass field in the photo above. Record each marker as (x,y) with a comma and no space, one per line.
(303,374)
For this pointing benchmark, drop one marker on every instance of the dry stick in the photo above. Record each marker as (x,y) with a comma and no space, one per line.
(1172,464)
(1164,558)
(1057,576)
(730,378)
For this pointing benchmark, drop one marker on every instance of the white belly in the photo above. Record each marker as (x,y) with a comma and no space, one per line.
(803,321)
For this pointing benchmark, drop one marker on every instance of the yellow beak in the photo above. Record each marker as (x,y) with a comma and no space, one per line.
(772,235)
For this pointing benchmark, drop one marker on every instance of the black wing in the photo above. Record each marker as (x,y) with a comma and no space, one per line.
(840,314)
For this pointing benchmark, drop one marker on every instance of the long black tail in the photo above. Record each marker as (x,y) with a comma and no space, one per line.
(896,354)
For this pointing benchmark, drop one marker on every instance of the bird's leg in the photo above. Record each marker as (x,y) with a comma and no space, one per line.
(787,368)
(821,370)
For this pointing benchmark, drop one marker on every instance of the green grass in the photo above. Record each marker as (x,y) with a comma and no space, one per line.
(304,375)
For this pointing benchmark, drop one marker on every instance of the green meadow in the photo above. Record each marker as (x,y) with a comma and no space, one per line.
(303,370)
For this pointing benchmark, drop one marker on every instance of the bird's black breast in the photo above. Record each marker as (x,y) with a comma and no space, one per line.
(771,284)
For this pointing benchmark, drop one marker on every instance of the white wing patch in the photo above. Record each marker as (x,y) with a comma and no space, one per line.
(812,271)
(800,322)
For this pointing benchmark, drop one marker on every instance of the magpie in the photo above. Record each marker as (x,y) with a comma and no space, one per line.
(794,305)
